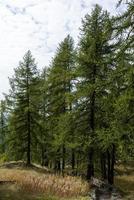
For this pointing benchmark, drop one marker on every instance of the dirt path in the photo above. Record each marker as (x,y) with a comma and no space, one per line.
(11,192)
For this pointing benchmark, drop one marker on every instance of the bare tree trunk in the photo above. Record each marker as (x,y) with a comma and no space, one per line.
(73,159)
(112,165)
(90,166)
(28,125)
(63,158)
(108,166)
(103,166)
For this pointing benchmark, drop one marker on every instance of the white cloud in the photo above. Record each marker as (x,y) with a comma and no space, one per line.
(38,25)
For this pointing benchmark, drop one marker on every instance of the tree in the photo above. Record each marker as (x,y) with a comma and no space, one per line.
(3,126)
(44,138)
(60,86)
(124,29)
(94,63)
(23,100)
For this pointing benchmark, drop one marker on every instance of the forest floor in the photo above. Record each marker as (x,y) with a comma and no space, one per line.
(124,179)
(11,192)
(18,183)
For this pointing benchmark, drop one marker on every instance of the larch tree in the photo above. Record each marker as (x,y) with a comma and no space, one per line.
(23,95)
(3,126)
(60,86)
(93,66)
(124,74)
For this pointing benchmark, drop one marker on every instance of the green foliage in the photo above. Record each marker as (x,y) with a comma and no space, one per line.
(22,98)
(3,158)
(80,108)
(93,58)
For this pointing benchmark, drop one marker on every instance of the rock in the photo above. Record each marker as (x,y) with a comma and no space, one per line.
(101,190)
(98,194)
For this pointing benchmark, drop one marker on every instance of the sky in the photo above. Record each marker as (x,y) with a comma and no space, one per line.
(39,26)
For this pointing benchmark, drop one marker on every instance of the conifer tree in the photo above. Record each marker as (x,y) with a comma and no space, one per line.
(60,86)
(44,138)
(23,100)
(3,126)
(93,58)
(124,26)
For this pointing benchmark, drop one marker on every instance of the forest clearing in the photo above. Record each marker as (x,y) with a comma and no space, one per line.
(36,183)
(19,182)
(72,118)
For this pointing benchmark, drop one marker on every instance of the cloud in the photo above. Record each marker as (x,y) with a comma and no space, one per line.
(38,25)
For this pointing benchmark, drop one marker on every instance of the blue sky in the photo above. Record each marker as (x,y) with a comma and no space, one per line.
(38,25)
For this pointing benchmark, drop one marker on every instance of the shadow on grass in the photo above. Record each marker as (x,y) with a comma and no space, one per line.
(126,185)
(12,192)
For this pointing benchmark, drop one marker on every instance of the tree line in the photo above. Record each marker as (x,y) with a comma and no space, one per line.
(77,114)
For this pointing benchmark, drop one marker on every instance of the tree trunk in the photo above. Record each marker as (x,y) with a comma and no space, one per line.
(103,166)
(112,165)
(108,166)
(28,121)
(42,157)
(2,130)
(57,166)
(73,159)
(29,141)
(63,158)
(90,166)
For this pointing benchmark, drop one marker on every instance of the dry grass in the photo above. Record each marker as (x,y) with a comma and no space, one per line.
(31,181)
(126,184)
(125,179)
(125,169)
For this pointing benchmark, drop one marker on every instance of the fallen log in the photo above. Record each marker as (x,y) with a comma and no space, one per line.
(7,182)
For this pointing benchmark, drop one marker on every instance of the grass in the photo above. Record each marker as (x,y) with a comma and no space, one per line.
(11,192)
(34,183)
(125,180)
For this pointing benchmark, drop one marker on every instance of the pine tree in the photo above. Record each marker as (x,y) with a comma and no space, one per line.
(44,139)
(23,100)
(94,63)
(3,126)
(60,86)
(124,26)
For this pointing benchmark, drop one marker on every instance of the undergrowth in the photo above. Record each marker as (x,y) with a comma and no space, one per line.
(47,184)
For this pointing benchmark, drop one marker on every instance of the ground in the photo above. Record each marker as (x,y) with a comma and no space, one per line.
(18,182)
(125,179)
(32,184)
(11,192)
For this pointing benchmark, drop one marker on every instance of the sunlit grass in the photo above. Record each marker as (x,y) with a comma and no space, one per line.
(47,184)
